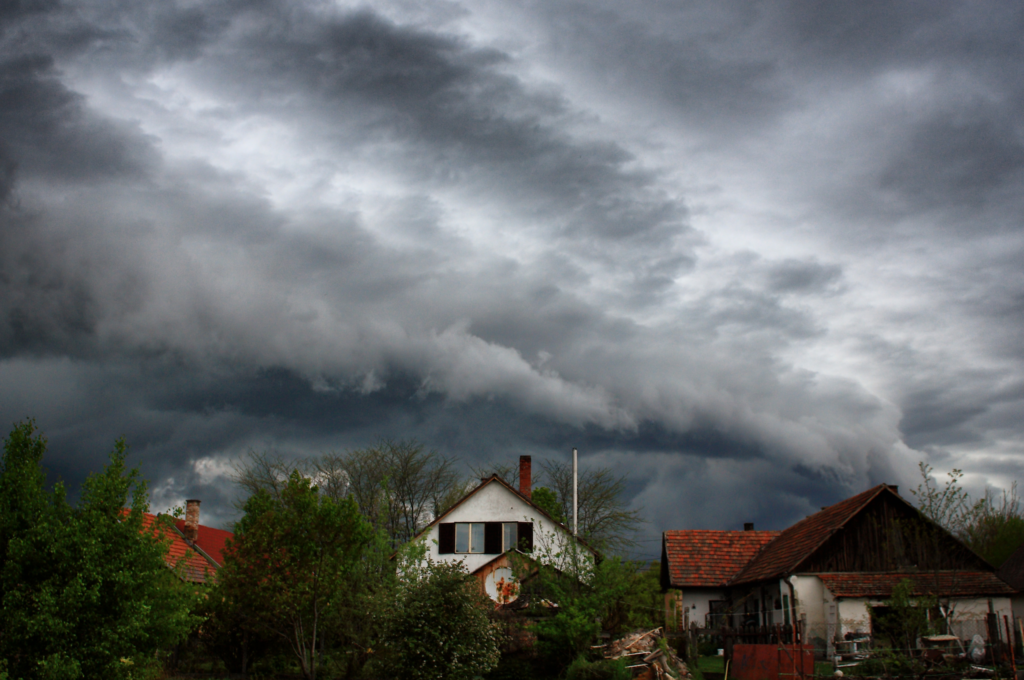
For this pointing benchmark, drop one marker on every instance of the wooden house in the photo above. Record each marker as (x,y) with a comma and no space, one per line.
(830,572)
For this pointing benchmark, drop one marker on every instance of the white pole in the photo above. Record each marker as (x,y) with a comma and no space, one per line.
(575,498)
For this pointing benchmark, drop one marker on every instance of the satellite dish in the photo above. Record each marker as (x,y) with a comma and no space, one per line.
(502,586)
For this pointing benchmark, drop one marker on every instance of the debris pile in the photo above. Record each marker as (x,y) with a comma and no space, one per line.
(648,656)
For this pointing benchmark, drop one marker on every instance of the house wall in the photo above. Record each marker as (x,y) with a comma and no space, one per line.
(968,615)
(1017,604)
(495,503)
(812,609)
(854,616)
(696,601)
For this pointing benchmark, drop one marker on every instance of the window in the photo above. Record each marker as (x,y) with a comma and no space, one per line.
(487,538)
(469,538)
(509,536)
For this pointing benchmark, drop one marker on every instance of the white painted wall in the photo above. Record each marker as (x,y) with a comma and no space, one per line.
(495,503)
(811,607)
(696,601)
(854,616)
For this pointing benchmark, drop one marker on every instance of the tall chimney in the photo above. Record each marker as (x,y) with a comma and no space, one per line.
(191,520)
(525,481)
(748,526)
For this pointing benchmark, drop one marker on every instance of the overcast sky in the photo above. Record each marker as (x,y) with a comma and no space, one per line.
(757,256)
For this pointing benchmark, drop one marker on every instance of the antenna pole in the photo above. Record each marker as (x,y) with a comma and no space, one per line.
(575,497)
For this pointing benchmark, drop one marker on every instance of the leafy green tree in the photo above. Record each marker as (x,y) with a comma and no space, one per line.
(547,500)
(288,572)
(435,626)
(84,591)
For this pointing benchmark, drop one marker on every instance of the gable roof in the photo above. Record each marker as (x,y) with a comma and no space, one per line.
(210,541)
(195,567)
(502,482)
(702,558)
(798,542)
(949,583)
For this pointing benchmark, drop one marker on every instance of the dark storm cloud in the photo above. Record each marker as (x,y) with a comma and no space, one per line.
(959,163)
(295,228)
(795,276)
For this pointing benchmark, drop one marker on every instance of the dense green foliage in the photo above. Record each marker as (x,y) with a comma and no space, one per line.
(289,572)
(436,626)
(547,500)
(84,591)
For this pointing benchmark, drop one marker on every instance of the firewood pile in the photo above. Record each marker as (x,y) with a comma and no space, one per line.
(647,657)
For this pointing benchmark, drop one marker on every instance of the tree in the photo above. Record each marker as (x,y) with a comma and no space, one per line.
(993,527)
(84,591)
(603,518)
(398,486)
(436,625)
(287,572)
(546,499)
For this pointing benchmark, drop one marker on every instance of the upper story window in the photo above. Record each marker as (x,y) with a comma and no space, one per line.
(509,536)
(469,537)
(488,538)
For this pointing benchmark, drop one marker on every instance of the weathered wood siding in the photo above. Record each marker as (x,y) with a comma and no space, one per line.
(890,536)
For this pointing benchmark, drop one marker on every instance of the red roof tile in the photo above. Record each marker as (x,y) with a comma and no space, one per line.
(211,541)
(196,568)
(700,558)
(797,542)
(945,583)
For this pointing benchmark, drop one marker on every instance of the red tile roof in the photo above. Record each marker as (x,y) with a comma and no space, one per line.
(797,542)
(211,541)
(945,583)
(196,569)
(699,558)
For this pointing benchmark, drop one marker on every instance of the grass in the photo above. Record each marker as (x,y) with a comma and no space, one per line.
(711,664)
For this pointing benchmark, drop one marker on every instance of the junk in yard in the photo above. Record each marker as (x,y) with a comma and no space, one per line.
(647,656)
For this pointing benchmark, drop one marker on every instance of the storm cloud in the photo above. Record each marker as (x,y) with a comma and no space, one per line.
(757,258)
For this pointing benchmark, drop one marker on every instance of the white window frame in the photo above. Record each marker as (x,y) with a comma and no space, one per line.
(471,548)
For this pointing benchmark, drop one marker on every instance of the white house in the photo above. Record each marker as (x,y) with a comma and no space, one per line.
(493,519)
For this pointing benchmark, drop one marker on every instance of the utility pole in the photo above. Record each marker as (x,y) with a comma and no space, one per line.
(575,497)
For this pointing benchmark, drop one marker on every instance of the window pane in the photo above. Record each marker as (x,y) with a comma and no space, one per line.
(461,538)
(476,544)
(509,531)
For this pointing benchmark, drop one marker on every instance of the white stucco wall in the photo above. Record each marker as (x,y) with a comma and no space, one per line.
(696,600)
(495,503)
(854,616)
(811,606)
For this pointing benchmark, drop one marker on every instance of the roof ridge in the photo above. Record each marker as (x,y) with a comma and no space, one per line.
(851,507)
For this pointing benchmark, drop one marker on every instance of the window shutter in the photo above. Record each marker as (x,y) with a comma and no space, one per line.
(446,538)
(526,536)
(492,538)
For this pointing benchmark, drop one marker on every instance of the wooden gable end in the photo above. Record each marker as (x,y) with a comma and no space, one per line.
(891,535)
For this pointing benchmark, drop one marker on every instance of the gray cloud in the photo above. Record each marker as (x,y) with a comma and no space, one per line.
(756,258)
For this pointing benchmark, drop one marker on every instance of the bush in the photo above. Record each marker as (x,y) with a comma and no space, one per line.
(436,626)
(604,669)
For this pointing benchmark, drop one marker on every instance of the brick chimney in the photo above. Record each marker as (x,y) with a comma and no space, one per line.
(748,526)
(525,481)
(191,530)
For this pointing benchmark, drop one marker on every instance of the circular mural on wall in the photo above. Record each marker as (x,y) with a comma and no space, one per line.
(502,586)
